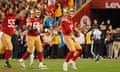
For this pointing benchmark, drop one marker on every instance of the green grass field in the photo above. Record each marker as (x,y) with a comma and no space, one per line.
(83,65)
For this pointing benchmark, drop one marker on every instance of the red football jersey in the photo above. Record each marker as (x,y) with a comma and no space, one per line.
(35,25)
(8,24)
(67,25)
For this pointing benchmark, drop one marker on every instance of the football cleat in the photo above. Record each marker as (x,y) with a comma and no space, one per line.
(73,64)
(42,66)
(7,64)
(22,63)
(97,59)
(65,66)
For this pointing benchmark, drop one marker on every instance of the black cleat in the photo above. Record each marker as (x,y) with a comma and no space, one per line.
(7,64)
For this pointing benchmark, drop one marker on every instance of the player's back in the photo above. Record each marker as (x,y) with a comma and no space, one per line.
(67,25)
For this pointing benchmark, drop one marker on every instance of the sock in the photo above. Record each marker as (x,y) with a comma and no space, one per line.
(40,56)
(77,54)
(31,58)
(25,56)
(7,54)
(69,55)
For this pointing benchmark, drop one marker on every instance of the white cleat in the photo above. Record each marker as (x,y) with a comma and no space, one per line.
(42,66)
(31,62)
(65,66)
(72,63)
(22,63)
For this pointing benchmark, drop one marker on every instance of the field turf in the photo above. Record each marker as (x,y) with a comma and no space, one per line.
(55,65)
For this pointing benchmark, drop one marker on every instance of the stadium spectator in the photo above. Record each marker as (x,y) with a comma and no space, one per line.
(103,36)
(49,22)
(108,25)
(83,1)
(46,44)
(50,2)
(58,13)
(55,44)
(63,49)
(17,51)
(70,4)
(23,43)
(116,42)
(109,42)
(42,7)
(95,24)
(51,9)
(77,4)
(88,43)
(65,3)
(21,20)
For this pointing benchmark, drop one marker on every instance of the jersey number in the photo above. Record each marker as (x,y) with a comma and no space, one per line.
(36,25)
(11,23)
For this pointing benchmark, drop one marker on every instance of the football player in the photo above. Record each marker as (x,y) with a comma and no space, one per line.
(34,26)
(74,47)
(8,25)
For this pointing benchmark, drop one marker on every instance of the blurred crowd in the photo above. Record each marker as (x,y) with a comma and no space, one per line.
(50,13)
